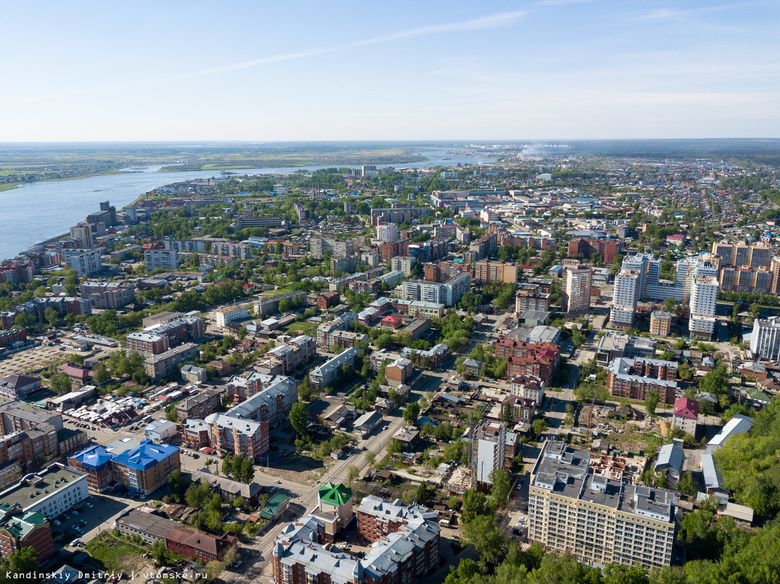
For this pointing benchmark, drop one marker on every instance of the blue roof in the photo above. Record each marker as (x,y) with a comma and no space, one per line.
(145,456)
(95,457)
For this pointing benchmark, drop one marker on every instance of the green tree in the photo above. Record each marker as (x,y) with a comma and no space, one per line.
(651,402)
(227,465)
(669,304)
(484,534)
(501,485)
(686,484)
(197,494)
(539,426)
(170,413)
(101,374)
(352,474)
(474,505)
(23,561)
(178,484)
(369,457)
(61,383)
(25,320)
(411,413)
(298,417)
(159,553)
(51,316)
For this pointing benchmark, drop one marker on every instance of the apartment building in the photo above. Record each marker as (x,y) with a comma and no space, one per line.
(488,446)
(170,330)
(327,300)
(161,259)
(82,234)
(236,436)
(448,293)
(347,339)
(328,372)
(419,308)
(437,355)
(402,556)
(743,256)
(540,360)
(531,297)
(387,232)
(145,468)
(106,295)
(326,329)
(660,323)
(286,358)
(635,378)
(754,281)
(575,292)
(225,315)
(443,271)
(597,519)
(20,529)
(625,297)
(167,363)
(528,387)
(84,262)
(198,406)
(403,264)
(704,293)
(765,338)
(586,248)
(378,518)
(95,463)
(487,272)
(397,214)
(271,402)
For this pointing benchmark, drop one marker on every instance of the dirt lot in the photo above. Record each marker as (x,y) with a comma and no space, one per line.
(298,469)
(32,360)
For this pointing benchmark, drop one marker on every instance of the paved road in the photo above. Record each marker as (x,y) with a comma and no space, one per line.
(256,566)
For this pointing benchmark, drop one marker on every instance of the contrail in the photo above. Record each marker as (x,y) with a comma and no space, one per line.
(482,23)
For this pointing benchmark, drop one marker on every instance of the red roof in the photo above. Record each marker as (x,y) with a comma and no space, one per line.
(686,408)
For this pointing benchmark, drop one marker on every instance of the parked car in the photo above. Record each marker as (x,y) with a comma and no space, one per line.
(75,543)
(74,513)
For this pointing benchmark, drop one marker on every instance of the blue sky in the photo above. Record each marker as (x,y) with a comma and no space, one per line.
(299,70)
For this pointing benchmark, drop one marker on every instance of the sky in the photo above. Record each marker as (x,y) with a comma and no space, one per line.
(402,70)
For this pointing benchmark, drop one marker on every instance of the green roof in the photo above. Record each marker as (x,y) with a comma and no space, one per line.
(270,509)
(335,494)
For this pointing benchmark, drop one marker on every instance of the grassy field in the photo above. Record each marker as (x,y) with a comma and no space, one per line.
(302,328)
(113,551)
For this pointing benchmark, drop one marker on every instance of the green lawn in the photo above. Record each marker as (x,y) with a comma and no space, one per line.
(305,328)
(110,550)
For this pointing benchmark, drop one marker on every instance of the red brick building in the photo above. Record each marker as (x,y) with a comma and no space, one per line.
(635,378)
(19,530)
(538,359)
(607,249)
(327,299)
(198,545)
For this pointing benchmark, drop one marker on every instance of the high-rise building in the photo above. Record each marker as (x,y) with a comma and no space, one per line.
(597,519)
(165,259)
(488,449)
(487,272)
(387,232)
(82,261)
(625,297)
(704,292)
(575,292)
(743,256)
(765,338)
(83,234)
(448,293)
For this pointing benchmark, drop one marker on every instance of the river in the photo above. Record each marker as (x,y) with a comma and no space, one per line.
(38,211)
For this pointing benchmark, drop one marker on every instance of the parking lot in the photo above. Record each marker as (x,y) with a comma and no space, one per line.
(89,518)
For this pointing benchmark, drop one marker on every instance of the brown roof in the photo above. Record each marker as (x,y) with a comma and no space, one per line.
(201,541)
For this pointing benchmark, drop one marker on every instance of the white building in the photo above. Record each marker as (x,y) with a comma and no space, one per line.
(227,314)
(704,292)
(529,387)
(387,232)
(165,259)
(82,261)
(490,439)
(402,263)
(448,293)
(329,371)
(625,297)
(765,338)
(575,293)
(160,430)
(52,491)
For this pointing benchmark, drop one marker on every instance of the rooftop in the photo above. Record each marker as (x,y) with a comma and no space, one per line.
(35,487)
(335,494)
(146,455)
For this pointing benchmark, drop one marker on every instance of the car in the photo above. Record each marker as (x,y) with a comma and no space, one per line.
(90,505)
(196,456)
(74,513)
(83,521)
(57,522)
(278,482)
(75,543)
(237,564)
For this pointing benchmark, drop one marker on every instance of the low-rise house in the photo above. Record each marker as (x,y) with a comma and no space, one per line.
(366,423)
(670,459)
(229,489)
